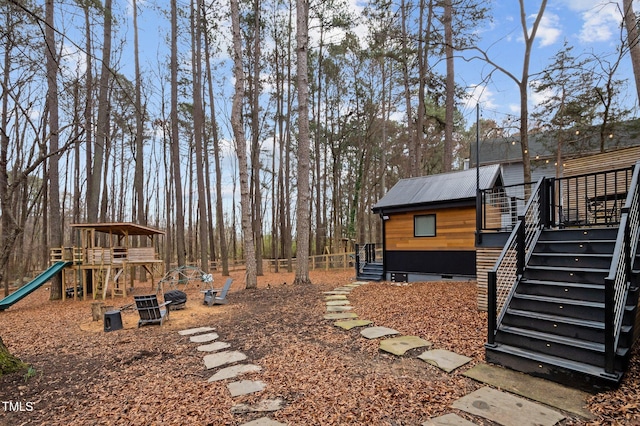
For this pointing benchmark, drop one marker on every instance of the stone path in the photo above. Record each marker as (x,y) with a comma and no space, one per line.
(228,365)
(488,403)
(500,407)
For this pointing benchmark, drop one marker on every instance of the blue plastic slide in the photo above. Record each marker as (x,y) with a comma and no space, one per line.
(33,285)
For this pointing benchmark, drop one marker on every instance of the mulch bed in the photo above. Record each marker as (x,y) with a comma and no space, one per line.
(327,376)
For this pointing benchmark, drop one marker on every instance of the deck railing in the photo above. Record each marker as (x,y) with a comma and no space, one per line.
(619,278)
(590,199)
(365,253)
(501,206)
(510,265)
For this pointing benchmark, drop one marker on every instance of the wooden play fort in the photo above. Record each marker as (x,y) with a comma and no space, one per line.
(106,260)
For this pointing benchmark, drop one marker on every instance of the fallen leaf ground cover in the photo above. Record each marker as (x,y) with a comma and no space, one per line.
(82,375)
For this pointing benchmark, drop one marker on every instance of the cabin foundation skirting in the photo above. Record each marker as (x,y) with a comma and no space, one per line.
(434,264)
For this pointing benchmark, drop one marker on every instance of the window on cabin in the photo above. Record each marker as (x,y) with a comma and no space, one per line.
(424,225)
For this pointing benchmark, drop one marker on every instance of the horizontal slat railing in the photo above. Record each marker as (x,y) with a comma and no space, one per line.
(617,281)
(510,265)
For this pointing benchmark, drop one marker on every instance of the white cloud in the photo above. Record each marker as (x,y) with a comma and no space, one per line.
(599,23)
(549,29)
(480,94)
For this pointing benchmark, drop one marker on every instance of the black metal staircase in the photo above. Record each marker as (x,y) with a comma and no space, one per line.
(563,300)
(554,324)
(372,271)
(367,268)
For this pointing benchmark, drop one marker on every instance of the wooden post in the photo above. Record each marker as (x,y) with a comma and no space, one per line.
(96,310)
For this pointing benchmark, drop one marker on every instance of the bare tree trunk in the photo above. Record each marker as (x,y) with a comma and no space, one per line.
(241,148)
(633,40)
(524,85)
(412,130)
(93,200)
(6,225)
(198,123)
(302,205)
(224,248)
(8,362)
(287,239)
(55,236)
(138,179)
(88,109)
(447,158)
(255,140)
(175,137)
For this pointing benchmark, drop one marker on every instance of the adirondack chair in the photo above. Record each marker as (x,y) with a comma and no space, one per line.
(217,296)
(150,311)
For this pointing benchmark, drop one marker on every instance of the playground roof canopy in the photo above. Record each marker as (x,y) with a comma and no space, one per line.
(119,228)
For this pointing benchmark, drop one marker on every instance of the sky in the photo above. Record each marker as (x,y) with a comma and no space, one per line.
(588,25)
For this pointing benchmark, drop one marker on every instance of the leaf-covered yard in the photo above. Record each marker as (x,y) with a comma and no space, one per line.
(326,376)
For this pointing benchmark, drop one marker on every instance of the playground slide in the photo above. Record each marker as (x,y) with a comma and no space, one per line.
(30,287)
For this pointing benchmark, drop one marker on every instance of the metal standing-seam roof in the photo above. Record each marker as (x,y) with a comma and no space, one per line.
(440,188)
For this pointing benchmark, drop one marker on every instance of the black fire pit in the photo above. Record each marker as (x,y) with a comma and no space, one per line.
(177,298)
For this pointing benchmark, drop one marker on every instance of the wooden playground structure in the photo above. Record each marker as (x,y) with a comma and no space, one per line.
(100,270)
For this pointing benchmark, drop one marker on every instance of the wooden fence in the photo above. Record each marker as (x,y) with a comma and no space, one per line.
(323,261)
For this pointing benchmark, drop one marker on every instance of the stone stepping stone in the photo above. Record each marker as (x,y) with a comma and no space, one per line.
(340,315)
(212,347)
(444,359)
(448,420)
(400,345)
(359,283)
(375,332)
(336,297)
(337,302)
(234,371)
(549,393)
(262,406)
(344,289)
(195,331)
(204,338)
(263,421)
(507,409)
(245,387)
(339,308)
(349,324)
(221,358)
(336,293)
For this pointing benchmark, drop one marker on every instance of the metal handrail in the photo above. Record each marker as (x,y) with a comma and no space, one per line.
(618,280)
(365,253)
(510,265)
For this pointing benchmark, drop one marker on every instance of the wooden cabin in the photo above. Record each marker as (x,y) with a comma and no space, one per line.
(429,225)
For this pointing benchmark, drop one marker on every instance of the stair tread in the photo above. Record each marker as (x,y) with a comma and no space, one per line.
(578,241)
(559,254)
(556,318)
(567,268)
(582,367)
(563,283)
(563,340)
(558,300)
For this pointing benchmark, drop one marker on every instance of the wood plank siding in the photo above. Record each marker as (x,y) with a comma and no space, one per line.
(455,230)
(485,261)
(611,160)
